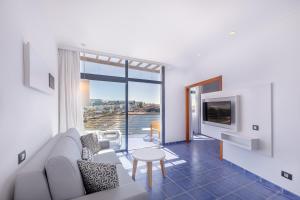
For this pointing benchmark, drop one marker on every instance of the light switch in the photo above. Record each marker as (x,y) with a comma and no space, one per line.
(255,127)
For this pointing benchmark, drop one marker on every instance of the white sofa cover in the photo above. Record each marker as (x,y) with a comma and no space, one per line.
(53,174)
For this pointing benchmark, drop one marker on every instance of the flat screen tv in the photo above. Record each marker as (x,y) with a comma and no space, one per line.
(217,112)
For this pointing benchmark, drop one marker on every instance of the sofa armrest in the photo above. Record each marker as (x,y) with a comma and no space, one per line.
(104,144)
(126,192)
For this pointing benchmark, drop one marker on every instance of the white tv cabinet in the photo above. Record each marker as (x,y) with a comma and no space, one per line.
(244,141)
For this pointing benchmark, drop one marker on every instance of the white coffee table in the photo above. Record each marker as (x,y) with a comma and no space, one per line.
(148,155)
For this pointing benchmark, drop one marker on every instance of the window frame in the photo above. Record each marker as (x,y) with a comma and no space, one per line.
(126,79)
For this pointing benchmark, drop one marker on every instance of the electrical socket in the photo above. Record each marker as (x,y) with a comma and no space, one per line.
(255,127)
(286,175)
(21,157)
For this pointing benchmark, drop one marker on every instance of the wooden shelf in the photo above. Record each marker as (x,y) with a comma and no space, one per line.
(244,141)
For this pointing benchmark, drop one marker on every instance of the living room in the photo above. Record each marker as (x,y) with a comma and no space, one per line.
(155,60)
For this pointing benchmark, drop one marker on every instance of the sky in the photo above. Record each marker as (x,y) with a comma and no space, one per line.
(145,92)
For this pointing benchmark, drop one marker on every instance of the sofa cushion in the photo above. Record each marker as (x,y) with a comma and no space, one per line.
(124,178)
(127,192)
(74,134)
(91,141)
(106,156)
(98,176)
(63,174)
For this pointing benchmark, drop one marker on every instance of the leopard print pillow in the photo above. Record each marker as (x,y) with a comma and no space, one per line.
(98,176)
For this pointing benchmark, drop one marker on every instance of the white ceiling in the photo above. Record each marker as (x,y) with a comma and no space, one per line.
(176,32)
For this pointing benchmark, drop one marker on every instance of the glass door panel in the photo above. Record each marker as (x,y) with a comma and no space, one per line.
(144,74)
(143,115)
(104,111)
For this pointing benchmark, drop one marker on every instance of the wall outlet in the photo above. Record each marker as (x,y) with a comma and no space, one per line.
(51,81)
(21,157)
(286,175)
(255,127)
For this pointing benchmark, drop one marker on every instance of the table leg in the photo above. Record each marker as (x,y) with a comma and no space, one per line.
(151,133)
(149,173)
(135,162)
(162,166)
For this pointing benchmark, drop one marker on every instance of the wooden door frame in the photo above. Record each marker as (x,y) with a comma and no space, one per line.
(187,106)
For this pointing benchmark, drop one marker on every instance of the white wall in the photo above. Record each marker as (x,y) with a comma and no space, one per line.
(266,52)
(27,117)
(175,81)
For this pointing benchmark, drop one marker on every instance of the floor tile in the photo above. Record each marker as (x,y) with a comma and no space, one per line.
(204,179)
(188,183)
(220,189)
(231,197)
(247,194)
(160,180)
(241,179)
(201,194)
(157,195)
(175,175)
(183,196)
(260,190)
(171,189)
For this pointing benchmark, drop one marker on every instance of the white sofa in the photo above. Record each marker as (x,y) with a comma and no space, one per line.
(53,174)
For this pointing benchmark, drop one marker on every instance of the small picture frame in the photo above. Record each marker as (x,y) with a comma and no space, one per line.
(51,81)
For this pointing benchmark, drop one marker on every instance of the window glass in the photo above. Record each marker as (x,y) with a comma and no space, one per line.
(102,69)
(104,111)
(143,115)
(133,73)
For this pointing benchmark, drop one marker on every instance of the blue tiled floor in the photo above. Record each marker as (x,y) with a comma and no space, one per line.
(195,172)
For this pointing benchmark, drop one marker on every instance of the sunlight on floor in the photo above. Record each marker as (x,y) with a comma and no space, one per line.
(201,137)
(179,162)
(142,141)
(171,160)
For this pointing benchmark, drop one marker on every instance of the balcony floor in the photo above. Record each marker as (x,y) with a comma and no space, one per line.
(141,141)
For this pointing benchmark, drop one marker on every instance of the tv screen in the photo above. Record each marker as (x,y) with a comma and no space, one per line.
(217,112)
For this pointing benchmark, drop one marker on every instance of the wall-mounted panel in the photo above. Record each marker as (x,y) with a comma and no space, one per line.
(38,74)
(254,115)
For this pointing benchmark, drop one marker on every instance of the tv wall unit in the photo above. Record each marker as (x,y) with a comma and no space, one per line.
(253,107)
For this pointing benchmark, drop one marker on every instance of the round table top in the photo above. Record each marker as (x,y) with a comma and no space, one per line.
(148,154)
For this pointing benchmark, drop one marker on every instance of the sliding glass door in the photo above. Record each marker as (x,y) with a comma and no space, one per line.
(144,115)
(123,102)
(104,111)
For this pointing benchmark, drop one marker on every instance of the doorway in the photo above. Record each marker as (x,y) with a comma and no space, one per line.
(193,107)
(195,111)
